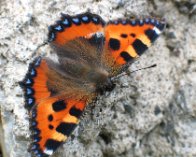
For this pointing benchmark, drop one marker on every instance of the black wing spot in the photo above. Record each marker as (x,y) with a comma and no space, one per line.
(59,105)
(123,35)
(139,46)
(51,127)
(114,44)
(52,144)
(125,55)
(66,128)
(151,34)
(133,35)
(75,112)
(50,118)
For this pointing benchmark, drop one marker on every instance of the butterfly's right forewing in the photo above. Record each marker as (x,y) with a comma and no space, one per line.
(128,39)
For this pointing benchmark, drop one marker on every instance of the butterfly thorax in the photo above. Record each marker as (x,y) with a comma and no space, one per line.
(101,79)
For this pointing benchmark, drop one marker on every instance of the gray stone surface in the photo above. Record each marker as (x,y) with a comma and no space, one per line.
(150,113)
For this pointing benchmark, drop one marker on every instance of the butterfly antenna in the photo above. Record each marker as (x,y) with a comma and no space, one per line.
(130,72)
(151,66)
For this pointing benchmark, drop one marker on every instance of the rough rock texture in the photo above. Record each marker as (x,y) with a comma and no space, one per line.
(150,113)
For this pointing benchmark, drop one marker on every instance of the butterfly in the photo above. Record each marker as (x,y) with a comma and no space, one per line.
(89,54)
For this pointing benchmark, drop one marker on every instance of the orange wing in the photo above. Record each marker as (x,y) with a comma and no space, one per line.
(128,39)
(35,83)
(53,116)
(53,120)
(71,27)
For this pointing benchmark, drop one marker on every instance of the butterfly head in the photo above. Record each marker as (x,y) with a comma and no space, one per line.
(107,86)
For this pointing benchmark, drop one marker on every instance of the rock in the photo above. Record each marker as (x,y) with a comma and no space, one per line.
(150,112)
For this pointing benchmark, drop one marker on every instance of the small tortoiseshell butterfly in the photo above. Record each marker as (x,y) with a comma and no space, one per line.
(90,53)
